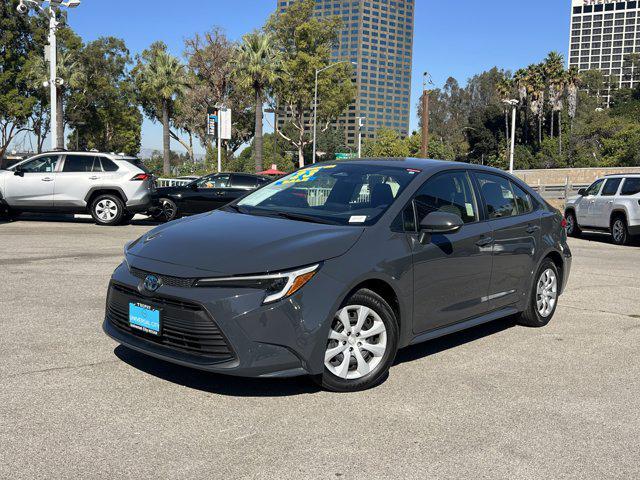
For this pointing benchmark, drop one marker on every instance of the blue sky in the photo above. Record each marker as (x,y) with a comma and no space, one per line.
(452,37)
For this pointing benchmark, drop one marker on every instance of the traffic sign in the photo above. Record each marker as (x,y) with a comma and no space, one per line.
(346,156)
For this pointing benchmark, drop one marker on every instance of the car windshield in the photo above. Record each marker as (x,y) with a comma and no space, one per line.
(341,194)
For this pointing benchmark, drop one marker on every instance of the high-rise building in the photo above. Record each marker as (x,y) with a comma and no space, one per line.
(377,36)
(604,33)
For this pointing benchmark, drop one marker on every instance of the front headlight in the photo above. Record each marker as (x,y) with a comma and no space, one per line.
(277,285)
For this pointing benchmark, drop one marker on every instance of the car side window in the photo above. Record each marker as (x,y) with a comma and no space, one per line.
(594,189)
(611,187)
(214,181)
(498,197)
(631,186)
(523,200)
(41,164)
(108,165)
(449,192)
(243,181)
(80,163)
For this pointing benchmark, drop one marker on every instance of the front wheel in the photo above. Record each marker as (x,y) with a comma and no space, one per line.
(544,297)
(168,210)
(362,344)
(107,210)
(573,230)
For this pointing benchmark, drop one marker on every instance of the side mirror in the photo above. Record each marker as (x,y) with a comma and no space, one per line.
(582,192)
(18,172)
(439,222)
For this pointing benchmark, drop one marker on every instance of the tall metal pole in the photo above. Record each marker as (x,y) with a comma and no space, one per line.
(315,118)
(513,138)
(424,150)
(53,87)
(360,125)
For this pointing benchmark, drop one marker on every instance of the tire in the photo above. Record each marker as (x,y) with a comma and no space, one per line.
(168,210)
(573,229)
(370,354)
(107,210)
(619,230)
(127,217)
(543,300)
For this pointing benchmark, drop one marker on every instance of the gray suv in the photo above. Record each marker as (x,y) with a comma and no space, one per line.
(112,188)
(610,204)
(330,270)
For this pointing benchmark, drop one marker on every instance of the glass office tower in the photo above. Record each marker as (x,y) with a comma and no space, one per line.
(604,33)
(378,36)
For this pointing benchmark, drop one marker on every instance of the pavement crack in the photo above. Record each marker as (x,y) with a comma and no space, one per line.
(54,369)
(635,317)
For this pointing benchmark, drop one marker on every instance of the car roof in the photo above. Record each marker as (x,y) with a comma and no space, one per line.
(622,175)
(423,164)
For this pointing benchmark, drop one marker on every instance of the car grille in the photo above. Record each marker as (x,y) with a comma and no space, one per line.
(165,279)
(186,326)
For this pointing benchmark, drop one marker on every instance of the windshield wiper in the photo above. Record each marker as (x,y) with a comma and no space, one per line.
(306,218)
(235,208)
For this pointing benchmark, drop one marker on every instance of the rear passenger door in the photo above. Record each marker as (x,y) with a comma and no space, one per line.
(515,220)
(78,175)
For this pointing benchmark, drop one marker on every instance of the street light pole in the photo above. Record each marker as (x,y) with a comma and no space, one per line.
(424,149)
(514,105)
(360,127)
(54,81)
(315,105)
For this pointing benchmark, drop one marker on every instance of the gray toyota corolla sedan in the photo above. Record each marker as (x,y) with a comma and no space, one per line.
(330,270)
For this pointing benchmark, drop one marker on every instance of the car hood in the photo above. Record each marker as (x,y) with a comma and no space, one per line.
(226,243)
(573,200)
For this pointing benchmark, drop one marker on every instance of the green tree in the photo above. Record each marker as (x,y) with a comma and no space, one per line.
(101,105)
(257,67)
(306,43)
(161,79)
(386,144)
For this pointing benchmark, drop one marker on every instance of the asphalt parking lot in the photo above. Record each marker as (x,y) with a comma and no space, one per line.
(498,401)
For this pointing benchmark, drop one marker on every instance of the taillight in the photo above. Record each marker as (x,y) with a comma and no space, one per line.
(564,223)
(141,177)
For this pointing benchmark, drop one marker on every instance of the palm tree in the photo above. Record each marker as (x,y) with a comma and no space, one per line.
(257,66)
(535,92)
(505,90)
(554,76)
(160,81)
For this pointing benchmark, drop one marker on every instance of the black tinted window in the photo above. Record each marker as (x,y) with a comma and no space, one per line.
(498,197)
(243,181)
(523,200)
(81,163)
(611,187)
(108,165)
(631,186)
(450,193)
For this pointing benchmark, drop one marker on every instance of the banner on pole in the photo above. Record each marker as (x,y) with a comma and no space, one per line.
(225,123)
(212,122)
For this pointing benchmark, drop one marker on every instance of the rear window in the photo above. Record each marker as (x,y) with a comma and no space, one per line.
(108,165)
(81,163)
(631,186)
(138,163)
(611,187)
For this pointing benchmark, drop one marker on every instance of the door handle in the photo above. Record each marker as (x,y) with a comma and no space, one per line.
(484,241)
(47,179)
(94,178)
(533,228)
(610,202)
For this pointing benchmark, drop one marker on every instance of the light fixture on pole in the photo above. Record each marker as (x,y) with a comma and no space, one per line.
(514,104)
(424,148)
(54,82)
(315,104)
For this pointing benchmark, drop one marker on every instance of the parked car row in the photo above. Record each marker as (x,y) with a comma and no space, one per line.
(112,188)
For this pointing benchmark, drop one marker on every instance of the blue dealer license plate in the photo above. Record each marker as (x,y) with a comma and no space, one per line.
(144,318)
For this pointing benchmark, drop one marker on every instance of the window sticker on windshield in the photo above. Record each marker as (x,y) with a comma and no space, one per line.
(413,171)
(358,219)
(304,175)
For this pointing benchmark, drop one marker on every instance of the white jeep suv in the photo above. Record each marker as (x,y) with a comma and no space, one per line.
(112,188)
(610,204)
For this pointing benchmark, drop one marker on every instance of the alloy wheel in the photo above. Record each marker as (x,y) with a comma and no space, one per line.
(106,210)
(168,209)
(357,342)
(618,231)
(547,292)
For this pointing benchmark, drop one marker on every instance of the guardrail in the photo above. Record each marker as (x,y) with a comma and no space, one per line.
(558,192)
(172,182)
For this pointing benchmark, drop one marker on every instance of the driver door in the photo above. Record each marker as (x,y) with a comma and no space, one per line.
(584,207)
(452,272)
(209,193)
(32,184)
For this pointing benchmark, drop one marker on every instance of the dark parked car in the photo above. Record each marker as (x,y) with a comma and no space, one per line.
(203,195)
(330,270)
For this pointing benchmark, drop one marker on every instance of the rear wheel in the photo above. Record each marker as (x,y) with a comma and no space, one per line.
(544,297)
(362,344)
(168,210)
(573,230)
(107,209)
(619,230)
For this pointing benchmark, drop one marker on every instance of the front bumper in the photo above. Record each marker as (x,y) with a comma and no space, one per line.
(284,339)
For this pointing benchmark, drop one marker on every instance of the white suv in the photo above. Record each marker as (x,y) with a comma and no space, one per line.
(112,188)
(610,204)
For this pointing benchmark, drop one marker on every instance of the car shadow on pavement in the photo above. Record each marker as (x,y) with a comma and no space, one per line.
(215,383)
(432,347)
(605,238)
(68,218)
